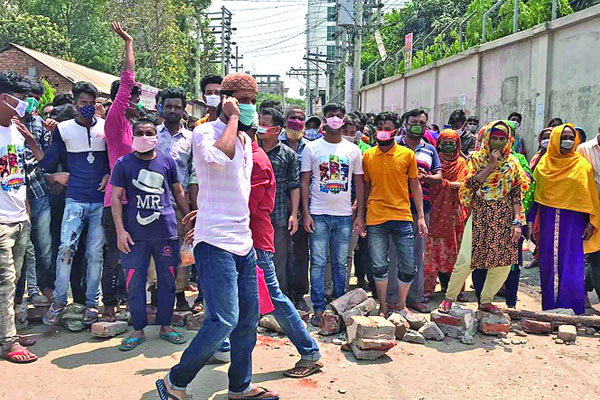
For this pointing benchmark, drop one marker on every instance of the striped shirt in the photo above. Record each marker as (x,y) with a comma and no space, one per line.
(223,218)
(590,150)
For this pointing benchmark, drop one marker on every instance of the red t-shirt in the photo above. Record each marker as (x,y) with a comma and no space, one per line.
(262,200)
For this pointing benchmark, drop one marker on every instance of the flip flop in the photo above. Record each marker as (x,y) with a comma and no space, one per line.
(173,337)
(163,393)
(12,356)
(258,395)
(131,343)
(310,366)
(26,341)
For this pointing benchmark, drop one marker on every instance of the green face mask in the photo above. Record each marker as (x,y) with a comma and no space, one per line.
(416,130)
(497,145)
(247,112)
(448,148)
(32,105)
(139,106)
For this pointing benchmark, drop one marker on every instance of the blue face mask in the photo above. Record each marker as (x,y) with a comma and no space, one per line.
(247,112)
(311,134)
(87,111)
(159,108)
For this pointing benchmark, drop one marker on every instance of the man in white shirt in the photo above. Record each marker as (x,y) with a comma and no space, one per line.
(333,164)
(14,221)
(223,245)
(590,150)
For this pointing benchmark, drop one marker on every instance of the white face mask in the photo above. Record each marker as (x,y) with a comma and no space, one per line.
(21,107)
(517,124)
(213,100)
(545,143)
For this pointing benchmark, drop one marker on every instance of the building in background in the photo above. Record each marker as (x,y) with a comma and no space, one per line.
(61,74)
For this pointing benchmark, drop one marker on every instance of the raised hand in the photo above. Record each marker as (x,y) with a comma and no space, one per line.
(116,27)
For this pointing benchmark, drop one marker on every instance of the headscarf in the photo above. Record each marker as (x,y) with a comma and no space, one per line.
(541,151)
(446,210)
(507,175)
(566,181)
(454,169)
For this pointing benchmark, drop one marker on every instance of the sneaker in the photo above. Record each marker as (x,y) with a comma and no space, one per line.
(90,315)
(53,314)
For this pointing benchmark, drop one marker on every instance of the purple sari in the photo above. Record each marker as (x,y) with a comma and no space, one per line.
(562,268)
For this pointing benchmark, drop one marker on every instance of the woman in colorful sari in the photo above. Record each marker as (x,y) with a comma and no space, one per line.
(493,189)
(447,217)
(566,198)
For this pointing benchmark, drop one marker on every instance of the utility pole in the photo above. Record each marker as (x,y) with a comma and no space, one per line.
(308,97)
(237,59)
(225,30)
(358,20)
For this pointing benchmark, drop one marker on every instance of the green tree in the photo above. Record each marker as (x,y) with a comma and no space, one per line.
(48,96)
(34,31)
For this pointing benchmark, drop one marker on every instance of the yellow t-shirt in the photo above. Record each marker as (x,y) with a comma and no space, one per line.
(389,173)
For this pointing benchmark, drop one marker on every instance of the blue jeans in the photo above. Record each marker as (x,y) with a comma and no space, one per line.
(166,259)
(335,231)
(285,313)
(42,240)
(230,292)
(76,215)
(403,237)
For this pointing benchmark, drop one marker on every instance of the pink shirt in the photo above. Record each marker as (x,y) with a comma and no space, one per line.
(117,129)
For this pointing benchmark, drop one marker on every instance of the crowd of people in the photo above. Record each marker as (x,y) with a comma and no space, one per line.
(106,198)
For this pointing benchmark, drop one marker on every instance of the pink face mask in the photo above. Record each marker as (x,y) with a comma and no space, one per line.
(295,124)
(384,135)
(143,144)
(335,122)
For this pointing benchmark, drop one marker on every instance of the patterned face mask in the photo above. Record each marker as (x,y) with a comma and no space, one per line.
(87,111)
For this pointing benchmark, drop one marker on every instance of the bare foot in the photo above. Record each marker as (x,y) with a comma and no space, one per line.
(109,314)
(383,311)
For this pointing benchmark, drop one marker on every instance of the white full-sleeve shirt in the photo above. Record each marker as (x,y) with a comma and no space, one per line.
(223,218)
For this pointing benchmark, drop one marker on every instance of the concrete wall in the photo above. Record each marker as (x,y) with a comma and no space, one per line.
(552,70)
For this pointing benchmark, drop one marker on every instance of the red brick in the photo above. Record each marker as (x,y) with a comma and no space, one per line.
(493,324)
(330,324)
(531,326)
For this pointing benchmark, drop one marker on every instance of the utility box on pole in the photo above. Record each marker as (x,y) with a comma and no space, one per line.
(346,12)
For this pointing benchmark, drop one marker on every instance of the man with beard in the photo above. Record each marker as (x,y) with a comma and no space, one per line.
(223,246)
(175,140)
(81,141)
(119,136)
(329,166)
(389,209)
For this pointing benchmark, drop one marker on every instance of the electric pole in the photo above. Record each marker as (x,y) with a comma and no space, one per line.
(358,20)
(308,97)
(237,60)
(225,30)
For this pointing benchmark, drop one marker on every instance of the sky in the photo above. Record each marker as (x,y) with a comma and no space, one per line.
(270,36)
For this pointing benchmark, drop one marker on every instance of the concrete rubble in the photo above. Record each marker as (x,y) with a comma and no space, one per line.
(493,324)
(370,337)
(538,327)
(401,324)
(108,329)
(458,323)
(331,323)
(431,331)
(567,333)
(413,337)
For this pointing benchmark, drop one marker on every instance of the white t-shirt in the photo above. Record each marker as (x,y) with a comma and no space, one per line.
(332,166)
(13,192)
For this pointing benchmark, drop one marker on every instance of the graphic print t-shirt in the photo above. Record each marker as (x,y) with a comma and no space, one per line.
(13,191)
(149,213)
(332,166)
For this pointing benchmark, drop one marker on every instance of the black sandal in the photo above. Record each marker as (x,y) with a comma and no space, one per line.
(256,396)
(163,393)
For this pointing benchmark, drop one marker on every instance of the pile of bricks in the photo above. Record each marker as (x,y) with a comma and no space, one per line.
(370,337)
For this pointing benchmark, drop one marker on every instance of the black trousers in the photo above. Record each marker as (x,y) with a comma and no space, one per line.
(112,272)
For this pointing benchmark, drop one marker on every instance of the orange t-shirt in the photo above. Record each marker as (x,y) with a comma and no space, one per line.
(389,174)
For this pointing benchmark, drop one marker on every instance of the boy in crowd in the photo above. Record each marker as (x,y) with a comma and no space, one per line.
(81,141)
(14,221)
(148,179)
(328,166)
(284,217)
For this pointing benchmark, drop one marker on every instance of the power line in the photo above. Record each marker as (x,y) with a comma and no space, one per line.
(295,34)
(265,17)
